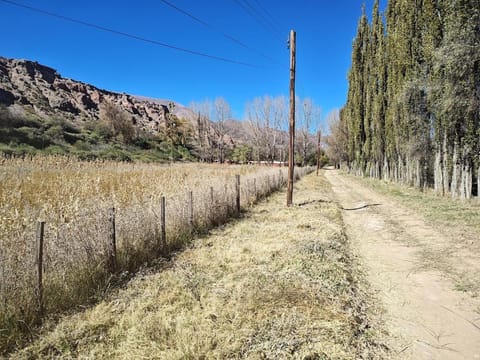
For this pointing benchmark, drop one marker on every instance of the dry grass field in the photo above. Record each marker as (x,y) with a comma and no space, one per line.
(74,200)
(279,283)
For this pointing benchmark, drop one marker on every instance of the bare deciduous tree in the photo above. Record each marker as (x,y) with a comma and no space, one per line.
(266,118)
(204,131)
(222,114)
(337,139)
(119,121)
(308,116)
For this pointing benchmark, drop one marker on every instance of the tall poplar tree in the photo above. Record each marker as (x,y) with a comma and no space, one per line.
(413,108)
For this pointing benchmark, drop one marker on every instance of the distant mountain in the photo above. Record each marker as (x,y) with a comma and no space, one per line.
(33,88)
(238,131)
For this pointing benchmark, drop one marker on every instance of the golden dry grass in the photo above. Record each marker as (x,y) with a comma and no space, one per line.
(279,283)
(74,199)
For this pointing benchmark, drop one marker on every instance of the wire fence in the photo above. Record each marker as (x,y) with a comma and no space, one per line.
(61,262)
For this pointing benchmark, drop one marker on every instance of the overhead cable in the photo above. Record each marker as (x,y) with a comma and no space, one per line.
(211,27)
(247,7)
(274,21)
(127,35)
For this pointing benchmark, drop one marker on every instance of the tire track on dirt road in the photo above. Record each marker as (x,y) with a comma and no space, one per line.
(425,316)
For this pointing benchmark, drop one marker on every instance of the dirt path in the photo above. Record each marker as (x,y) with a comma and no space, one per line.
(426,317)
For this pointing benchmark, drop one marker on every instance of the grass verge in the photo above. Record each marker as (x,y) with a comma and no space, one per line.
(279,283)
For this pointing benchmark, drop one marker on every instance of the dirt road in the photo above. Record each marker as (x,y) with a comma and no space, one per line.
(426,317)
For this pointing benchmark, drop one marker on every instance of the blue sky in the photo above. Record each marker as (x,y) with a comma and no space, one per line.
(325,30)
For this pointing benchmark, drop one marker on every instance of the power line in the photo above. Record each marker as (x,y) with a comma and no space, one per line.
(127,35)
(250,10)
(211,27)
(268,14)
(262,16)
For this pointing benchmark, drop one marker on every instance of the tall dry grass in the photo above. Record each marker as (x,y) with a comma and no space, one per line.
(74,198)
(283,283)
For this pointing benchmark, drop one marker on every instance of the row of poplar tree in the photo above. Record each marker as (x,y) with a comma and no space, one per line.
(413,109)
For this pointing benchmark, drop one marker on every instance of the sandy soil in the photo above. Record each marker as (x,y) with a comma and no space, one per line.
(426,317)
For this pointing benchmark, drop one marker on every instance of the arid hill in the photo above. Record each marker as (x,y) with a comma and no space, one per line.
(31,88)
(36,101)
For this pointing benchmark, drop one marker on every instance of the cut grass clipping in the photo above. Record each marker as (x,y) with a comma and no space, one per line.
(279,283)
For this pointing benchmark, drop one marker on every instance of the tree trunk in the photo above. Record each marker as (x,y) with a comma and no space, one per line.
(408,172)
(418,174)
(456,172)
(463,182)
(478,181)
(386,169)
(438,174)
(469,181)
(445,170)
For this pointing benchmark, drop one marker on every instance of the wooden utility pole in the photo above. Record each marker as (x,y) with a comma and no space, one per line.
(291,128)
(318,150)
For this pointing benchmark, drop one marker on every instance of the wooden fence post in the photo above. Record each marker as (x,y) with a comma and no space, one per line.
(255,189)
(280,178)
(211,211)
(237,189)
(3,298)
(112,243)
(190,203)
(249,193)
(39,261)
(163,235)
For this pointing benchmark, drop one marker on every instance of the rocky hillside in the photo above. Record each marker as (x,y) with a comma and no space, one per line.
(33,88)
(42,111)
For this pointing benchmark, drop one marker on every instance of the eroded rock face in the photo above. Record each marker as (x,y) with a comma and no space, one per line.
(42,90)
(6,97)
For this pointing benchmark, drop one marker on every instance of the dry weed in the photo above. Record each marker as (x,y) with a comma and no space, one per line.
(74,199)
(280,283)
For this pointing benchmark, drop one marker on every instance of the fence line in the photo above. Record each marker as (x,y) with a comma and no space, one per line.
(203,212)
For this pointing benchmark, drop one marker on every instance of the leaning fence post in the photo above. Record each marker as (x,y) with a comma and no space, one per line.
(237,189)
(190,201)
(112,243)
(163,235)
(39,261)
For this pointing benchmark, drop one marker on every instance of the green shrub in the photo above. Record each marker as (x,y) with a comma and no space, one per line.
(115,153)
(55,150)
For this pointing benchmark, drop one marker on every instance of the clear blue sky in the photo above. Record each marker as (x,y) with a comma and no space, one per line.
(325,30)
